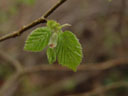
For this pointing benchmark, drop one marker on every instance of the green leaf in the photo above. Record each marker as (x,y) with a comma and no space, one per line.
(69,50)
(38,39)
(51,54)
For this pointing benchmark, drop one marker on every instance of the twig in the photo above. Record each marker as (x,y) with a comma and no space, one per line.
(42,19)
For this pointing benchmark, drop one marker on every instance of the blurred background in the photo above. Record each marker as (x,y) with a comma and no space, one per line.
(100,25)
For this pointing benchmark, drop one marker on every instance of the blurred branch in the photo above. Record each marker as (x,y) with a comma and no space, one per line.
(121,17)
(83,67)
(99,90)
(34,23)
(10,85)
(68,83)
(15,63)
(34,69)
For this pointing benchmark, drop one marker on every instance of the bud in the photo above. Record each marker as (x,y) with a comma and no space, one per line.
(53,40)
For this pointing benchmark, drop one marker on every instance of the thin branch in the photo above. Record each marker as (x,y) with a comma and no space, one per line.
(34,23)
(48,13)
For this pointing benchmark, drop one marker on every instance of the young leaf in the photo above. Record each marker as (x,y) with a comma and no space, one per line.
(38,39)
(69,51)
(51,54)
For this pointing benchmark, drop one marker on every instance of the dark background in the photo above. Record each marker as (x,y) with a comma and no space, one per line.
(100,25)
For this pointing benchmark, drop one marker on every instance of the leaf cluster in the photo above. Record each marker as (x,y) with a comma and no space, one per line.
(61,46)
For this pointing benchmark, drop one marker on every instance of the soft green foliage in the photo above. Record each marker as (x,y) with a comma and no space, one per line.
(110,0)
(28,2)
(38,39)
(111,40)
(51,54)
(3,17)
(63,46)
(69,51)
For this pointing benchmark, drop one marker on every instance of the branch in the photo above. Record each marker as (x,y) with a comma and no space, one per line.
(83,67)
(42,19)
